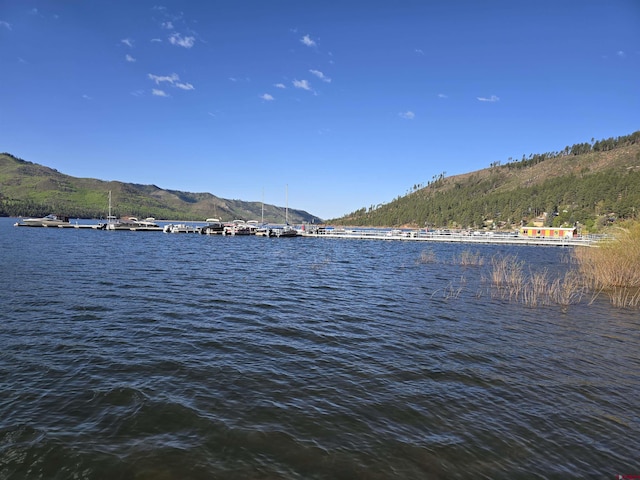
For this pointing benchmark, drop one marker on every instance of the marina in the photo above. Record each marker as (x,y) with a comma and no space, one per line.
(251,228)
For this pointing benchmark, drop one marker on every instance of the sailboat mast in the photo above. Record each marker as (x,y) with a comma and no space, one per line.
(286,211)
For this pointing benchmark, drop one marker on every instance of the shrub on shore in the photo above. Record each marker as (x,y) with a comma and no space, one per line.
(613,267)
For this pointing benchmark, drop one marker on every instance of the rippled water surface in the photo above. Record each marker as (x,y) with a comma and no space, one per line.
(163,356)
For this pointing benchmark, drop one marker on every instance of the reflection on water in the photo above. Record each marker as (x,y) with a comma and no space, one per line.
(129,355)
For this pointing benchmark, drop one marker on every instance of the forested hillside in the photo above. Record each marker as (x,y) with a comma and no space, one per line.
(29,189)
(593,184)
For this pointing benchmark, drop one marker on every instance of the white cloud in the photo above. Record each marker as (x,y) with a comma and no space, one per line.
(137,93)
(419,51)
(442,95)
(307,41)
(279,85)
(180,41)
(303,84)
(169,78)
(320,75)
(267,97)
(158,93)
(86,97)
(129,58)
(408,115)
(620,54)
(4,24)
(156,40)
(184,86)
(167,25)
(128,42)
(492,98)
(173,80)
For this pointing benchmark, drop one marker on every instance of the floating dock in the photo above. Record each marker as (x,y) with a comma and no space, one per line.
(454,237)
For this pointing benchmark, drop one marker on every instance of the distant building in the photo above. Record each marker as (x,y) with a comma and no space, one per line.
(549,232)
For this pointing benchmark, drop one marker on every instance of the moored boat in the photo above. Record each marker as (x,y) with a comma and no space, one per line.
(180,228)
(213,227)
(51,220)
(147,225)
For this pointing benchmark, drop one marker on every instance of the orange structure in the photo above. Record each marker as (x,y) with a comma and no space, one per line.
(549,232)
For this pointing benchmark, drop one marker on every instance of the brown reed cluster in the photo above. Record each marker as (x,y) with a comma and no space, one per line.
(613,267)
(468,258)
(533,289)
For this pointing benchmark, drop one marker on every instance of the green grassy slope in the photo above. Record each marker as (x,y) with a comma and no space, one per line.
(28,189)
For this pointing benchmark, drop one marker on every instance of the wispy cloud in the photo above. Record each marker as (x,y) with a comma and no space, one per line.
(620,54)
(267,97)
(87,97)
(173,80)
(307,41)
(303,84)
(168,78)
(159,93)
(128,42)
(408,115)
(492,98)
(321,75)
(167,25)
(4,24)
(129,58)
(184,86)
(180,41)
(442,95)
(419,51)
(279,85)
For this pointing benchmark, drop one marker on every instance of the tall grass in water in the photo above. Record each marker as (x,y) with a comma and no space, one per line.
(507,275)
(613,267)
(468,258)
(533,288)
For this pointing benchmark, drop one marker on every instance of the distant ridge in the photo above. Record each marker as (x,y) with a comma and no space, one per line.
(30,189)
(593,184)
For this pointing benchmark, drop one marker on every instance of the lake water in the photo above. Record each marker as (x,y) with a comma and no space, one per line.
(160,356)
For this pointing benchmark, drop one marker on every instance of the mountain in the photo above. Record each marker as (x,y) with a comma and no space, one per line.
(593,184)
(29,189)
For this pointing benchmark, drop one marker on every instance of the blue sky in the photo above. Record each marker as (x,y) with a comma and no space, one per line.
(349,104)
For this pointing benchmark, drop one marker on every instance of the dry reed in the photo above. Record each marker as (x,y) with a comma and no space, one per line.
(535,288)
(468,258)
(427,256)
(613,267)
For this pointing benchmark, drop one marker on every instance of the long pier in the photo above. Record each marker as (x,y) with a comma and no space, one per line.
(455,237)
(473,237)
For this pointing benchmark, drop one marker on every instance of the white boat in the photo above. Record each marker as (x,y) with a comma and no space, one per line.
(114,223)
(264,231)
(240,227)
(180,228)
(147,225)
(50,220)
